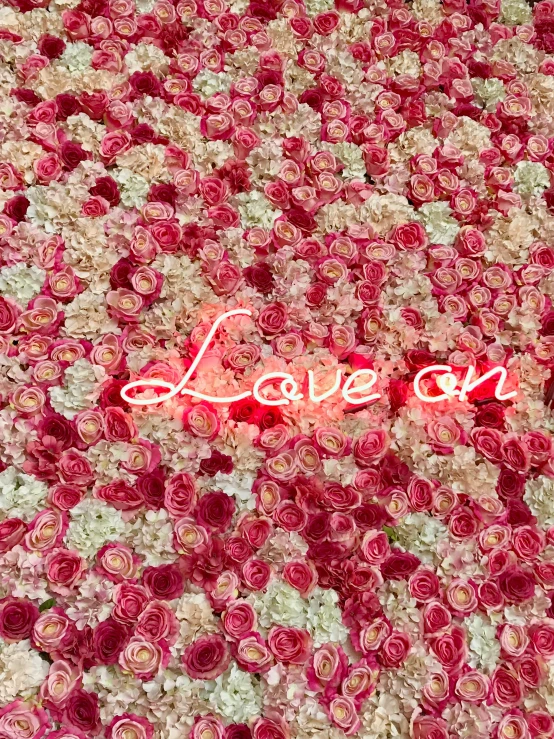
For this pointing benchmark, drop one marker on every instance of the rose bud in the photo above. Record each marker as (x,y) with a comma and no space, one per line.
(143,659)
(206,658)
(129,726)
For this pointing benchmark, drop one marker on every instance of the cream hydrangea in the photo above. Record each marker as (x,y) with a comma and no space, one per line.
(82,386)
(150,535)
(324,618)
(209,83)
(515,12)
(539,496)
(22,671)
(20,282)
(21,495)
(280,604)
(93,523)
(441,226)
(134,188)
(236,695)
(77,56)
(256,210)
(484,649)
(531,178)
(420,534)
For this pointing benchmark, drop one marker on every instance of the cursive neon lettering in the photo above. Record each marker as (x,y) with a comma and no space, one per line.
(288,389)
(347,389)
(327,394)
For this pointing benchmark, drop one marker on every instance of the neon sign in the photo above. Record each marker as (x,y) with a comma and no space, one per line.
(289,391)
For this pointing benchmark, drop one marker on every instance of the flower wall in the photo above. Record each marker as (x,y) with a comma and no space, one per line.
(371,180)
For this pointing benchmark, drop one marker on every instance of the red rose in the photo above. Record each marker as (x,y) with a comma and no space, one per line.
(120,495)
(206,658)
(394,649)
(506,687)
(290,645)
(9,312)
(510,484)
(51,46)
(109,638)
(118,425)
(516,584)
(130,601)
(82,711)
(17,618)
(239,619)
(256,574)
(325,23)
(451,649)
(399,566)
(215,511)
(164,582)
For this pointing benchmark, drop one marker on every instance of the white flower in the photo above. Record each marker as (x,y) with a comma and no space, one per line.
(437,218)
(351,156)
(531,178)
(515,12)
(420,534)
(151,537)
(134,188)
(256,210)
(81,390)
(539,496)
(93,523)
(484,649)
(491,91)
(324,618)
(20,282)
(77,56)
(281,605)
(22,671)
(313,7)
(235,695)
(209,83)
(21,495)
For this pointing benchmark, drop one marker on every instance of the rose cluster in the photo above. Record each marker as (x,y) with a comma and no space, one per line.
(372,182)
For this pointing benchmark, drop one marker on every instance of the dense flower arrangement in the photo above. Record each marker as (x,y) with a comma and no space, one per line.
(374,181)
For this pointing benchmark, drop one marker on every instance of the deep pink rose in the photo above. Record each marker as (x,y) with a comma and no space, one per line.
(164,582)
(290,645)
(206,658)
(371,447)
(17,618)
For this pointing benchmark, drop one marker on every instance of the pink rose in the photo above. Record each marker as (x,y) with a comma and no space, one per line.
(290,645)
(64,569)
(129,726)
(371,447)
(142,658)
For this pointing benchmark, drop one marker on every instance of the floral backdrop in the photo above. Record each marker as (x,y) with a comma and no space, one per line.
(374,182)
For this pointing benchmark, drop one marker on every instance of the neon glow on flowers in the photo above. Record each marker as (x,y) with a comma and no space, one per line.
(276,369)
(289,391)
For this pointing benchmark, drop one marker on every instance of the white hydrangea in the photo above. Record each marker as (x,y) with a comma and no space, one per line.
(81,389)
(280,604)
(531,178)
(146,58)
(484,649)
(313,7)
(351,156)
(515,12)
(238,487)
(235,695)
(93,523)
(539,496)
(21,495)
(77,56)
(151,537)
(324,618)
(420,534)
(441,226)
(133,187)
(22,671)
(20,282)
(256,210)
(209,83)
(490,91)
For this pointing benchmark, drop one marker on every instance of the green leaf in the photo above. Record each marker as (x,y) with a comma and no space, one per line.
(47,604)
(391,533)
